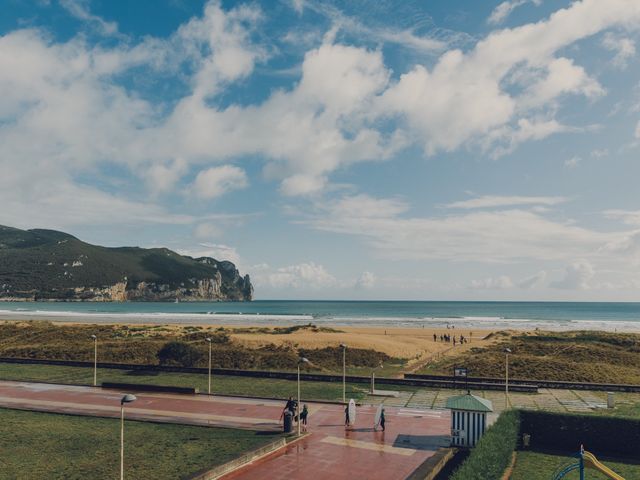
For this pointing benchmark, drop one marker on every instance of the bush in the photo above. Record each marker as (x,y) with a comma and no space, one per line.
(492,454)
(178,353)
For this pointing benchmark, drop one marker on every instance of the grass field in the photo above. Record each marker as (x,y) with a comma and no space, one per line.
(583,356)
(541,466)
(52,446)
(223,384)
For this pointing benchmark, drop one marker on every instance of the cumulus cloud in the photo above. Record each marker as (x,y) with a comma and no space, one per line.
(216,181)
(365,281)
(533,281)
(217,251)
(503,282)
(577,276)
(308,275)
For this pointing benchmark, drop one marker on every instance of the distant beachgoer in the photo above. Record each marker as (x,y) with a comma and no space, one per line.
(454,341)
(347,421)
(441,338)
(435,337)
(382,419)
(303,417)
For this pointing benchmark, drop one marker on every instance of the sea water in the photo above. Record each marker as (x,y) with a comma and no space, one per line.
(417,314)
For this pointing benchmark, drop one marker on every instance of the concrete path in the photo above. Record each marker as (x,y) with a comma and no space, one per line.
(330,452)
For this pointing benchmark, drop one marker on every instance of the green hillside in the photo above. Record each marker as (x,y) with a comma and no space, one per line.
(46,264)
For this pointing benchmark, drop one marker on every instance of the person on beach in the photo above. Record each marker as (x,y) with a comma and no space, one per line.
(454,340)
(435,337)
(303,417)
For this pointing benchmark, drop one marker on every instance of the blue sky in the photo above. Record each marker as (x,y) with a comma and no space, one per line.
(360,149)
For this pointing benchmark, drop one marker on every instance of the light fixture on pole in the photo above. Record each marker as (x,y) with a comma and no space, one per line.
(300,361)
(344,372)
(128,398)
(209,342)
(507,351)
(95,360)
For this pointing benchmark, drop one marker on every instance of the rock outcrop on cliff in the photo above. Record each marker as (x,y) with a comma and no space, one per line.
(51,265)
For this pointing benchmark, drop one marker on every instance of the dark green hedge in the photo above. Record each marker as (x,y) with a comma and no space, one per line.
(618,437)
(491,456)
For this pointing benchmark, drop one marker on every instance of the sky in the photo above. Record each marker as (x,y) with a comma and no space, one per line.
(427,150)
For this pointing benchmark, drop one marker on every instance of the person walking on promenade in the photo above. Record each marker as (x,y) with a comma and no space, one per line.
(347,421)
(382,419)
(303,417)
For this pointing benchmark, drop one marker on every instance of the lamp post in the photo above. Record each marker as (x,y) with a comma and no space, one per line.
(209,342)
(128,398)
(301,361)
(95,360)
(507,351)
(344,372)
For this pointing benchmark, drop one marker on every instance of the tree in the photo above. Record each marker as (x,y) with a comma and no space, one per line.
(178,353)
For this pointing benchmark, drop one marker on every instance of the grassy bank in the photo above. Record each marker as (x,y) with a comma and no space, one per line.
(44,445)
(141,344)
(582,356)
(541,466)
(229,385)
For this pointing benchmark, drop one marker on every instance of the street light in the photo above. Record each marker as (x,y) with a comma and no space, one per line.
(95,360)
(128,398)
(300,361)
(209,342)
(507,351)
(344,372)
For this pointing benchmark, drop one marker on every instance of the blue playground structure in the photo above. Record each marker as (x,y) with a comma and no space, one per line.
(585,459)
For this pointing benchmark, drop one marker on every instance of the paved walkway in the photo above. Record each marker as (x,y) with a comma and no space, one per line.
(330,452)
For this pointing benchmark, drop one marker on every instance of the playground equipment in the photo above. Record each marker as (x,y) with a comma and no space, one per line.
(586,459)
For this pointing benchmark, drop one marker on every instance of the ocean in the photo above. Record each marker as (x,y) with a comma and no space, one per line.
(416,314)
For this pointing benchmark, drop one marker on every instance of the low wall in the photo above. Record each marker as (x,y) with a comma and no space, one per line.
(607,387)
(236,463)
(138,387)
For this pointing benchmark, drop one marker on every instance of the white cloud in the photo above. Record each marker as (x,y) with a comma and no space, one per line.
(490,201)
(504,9)
(533,281)
(214,250)
(572,162)
(80,10)
(365,281)
(577,276)
(309,275)
(623,47)
(511,235)
(216,181)
(503,282)
(636,133)
(207,231)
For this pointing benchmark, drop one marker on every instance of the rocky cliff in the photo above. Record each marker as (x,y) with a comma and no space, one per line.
(50,265)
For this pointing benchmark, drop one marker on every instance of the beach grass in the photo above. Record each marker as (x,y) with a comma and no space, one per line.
(532,465)
(581,356)
(55,446)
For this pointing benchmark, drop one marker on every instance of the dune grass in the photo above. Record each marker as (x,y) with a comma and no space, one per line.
(54,446)
(582,356)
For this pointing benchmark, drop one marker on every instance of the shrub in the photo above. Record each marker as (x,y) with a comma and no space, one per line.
(178,353)
(492,454)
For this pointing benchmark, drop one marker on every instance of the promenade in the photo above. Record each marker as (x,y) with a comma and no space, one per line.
(329,452)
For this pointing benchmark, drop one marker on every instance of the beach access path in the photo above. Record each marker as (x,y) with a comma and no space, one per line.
(411,437)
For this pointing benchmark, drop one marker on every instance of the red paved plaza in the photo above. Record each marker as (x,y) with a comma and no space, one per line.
(329,452)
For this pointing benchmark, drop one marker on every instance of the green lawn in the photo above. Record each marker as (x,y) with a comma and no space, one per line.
(52,446)
(222,384)
(541,466)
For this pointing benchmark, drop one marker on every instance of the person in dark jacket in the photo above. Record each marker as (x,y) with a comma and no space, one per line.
(382,419)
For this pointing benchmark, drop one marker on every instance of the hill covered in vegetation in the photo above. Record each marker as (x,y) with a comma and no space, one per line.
(51,265)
